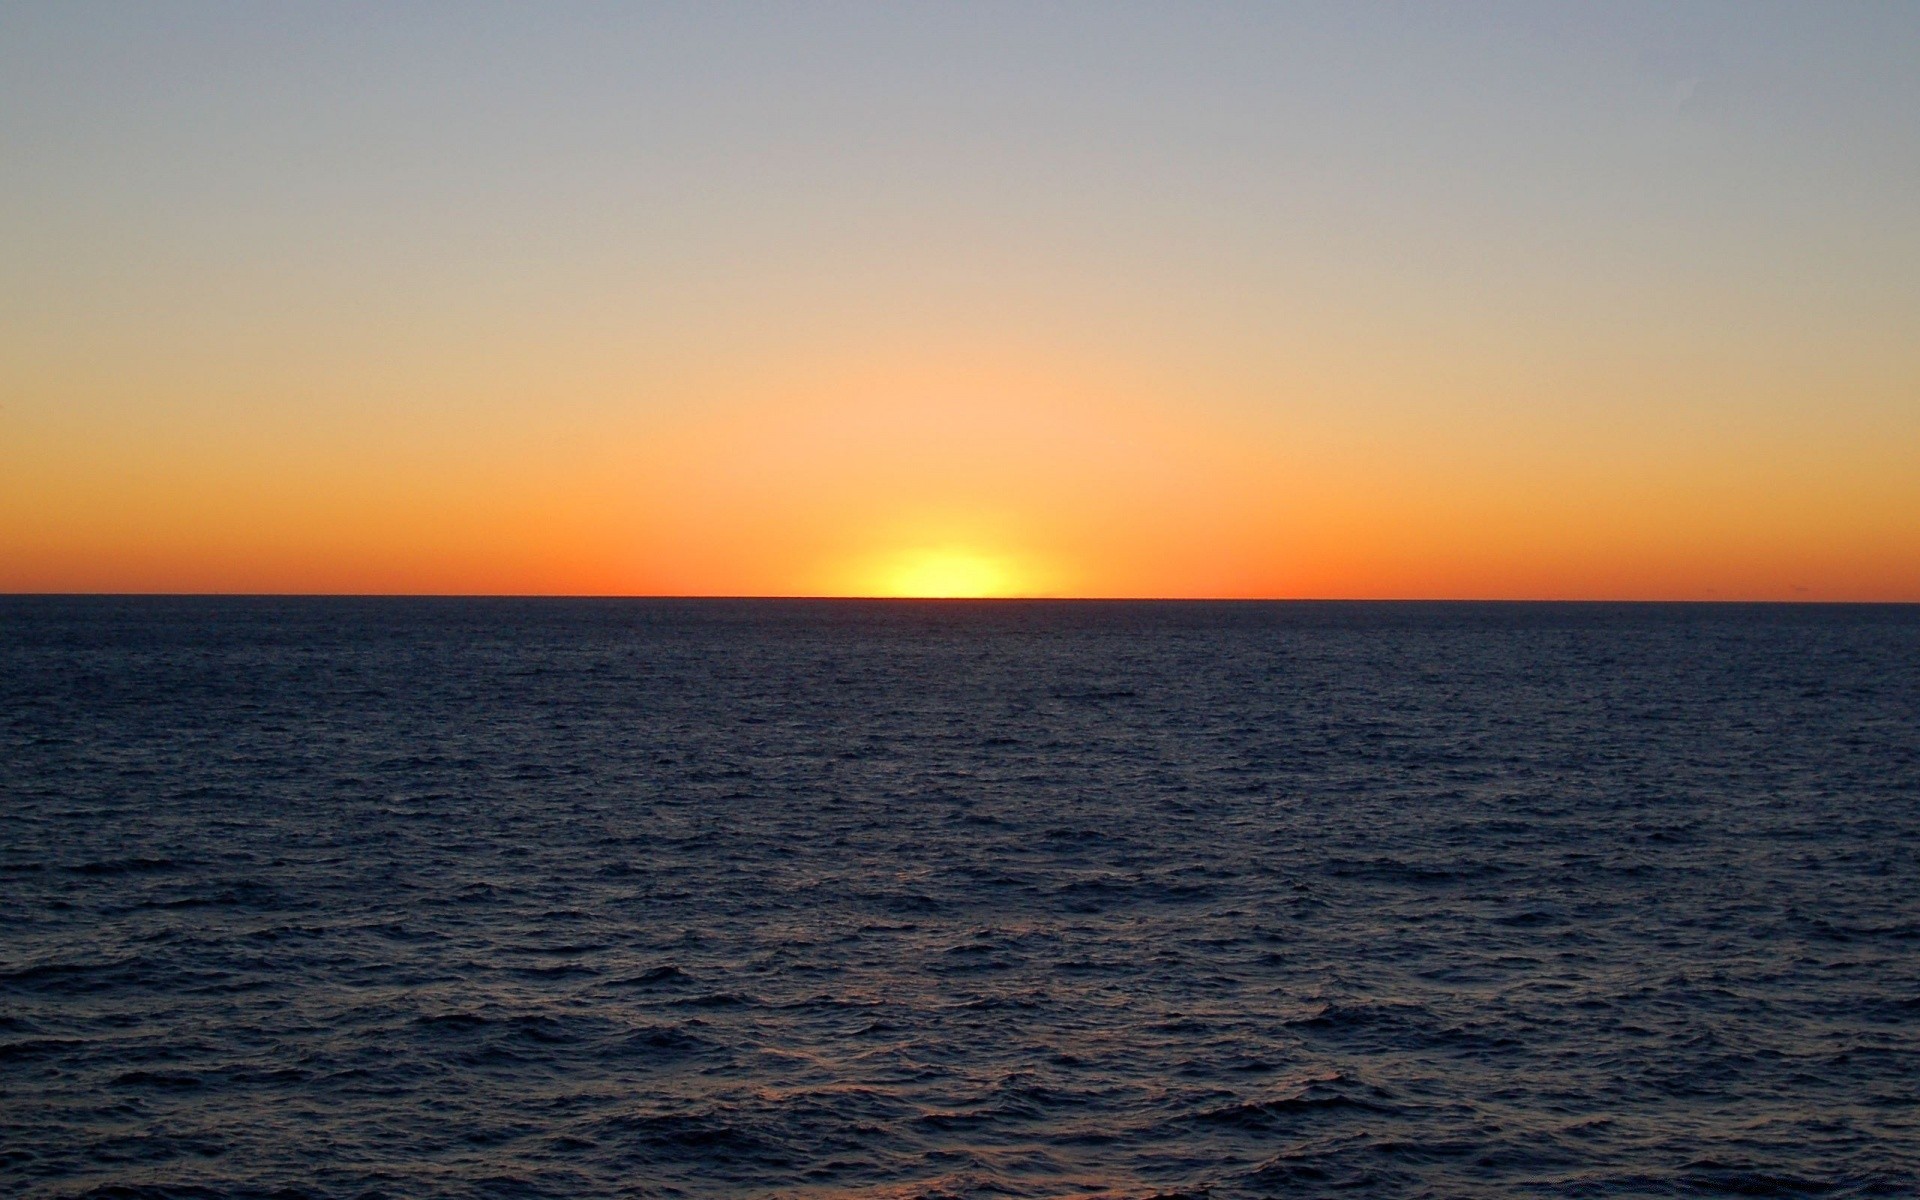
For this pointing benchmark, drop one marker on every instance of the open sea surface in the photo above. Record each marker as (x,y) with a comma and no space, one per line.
(502,898)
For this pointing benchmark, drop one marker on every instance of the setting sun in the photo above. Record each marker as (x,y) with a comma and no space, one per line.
(948,572)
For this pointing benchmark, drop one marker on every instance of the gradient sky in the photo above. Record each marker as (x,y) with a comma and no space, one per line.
(1451,300)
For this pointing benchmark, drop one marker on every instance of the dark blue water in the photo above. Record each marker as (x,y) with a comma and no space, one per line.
(361,898)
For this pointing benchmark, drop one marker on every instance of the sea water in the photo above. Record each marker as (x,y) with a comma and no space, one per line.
(476,898)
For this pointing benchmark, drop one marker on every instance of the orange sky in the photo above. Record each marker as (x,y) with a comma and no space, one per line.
(875,301)
(952,473)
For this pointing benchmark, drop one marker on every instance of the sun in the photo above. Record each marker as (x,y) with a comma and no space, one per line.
(948,572)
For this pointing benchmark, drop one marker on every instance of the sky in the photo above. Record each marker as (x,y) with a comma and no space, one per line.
(1090,299)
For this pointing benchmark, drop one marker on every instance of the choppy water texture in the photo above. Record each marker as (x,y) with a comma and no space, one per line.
(576,899)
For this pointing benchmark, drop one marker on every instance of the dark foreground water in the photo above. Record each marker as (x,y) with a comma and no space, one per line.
(491,898)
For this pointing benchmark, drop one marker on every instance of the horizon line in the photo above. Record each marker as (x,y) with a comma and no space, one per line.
(880,599)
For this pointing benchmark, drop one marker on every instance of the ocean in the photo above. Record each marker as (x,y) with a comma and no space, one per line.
(431,898)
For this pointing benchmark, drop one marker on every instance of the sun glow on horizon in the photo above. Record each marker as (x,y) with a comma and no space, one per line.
(948,573)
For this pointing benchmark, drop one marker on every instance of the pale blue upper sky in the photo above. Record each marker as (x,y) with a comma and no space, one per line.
(1547,152)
